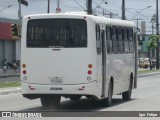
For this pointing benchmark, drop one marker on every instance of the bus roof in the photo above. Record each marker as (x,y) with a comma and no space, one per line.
(97,19)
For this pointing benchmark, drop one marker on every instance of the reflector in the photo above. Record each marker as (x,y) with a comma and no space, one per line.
(90,66)
(89,72)
(24,66)
(24,71)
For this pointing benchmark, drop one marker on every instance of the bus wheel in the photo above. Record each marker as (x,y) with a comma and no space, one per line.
(76,97)
(110,93)
(127,95)
(51,101)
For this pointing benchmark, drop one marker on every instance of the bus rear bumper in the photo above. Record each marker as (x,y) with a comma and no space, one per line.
(80,89)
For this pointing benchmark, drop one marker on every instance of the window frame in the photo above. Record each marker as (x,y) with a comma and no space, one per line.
(114,40)
(58,39)
(109,39)
(131,40)
(120,40)
(98,39)
(126,40)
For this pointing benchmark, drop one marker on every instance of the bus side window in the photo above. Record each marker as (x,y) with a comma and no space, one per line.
(108,39)
(120,40)
(98,40)
(131,42)
(125,37)
(114,40)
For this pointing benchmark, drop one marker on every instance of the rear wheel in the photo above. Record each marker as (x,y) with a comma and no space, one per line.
(127,95)
(108,101)
(110,93)
(50,101)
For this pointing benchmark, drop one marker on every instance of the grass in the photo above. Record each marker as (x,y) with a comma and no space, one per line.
(10,84)
(148,71)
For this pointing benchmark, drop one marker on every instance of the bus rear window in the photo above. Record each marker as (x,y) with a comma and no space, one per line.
(57,33)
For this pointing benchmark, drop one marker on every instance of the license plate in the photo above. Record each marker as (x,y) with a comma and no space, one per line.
(56,80)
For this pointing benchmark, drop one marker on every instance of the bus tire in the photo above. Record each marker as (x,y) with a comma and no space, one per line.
(127,95)
(77,97)
(45,101)
(110,93)
(51,101)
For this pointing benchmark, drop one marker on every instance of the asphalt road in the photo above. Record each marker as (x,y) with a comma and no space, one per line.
(145,98)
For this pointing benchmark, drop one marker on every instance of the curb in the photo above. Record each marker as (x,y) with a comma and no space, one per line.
(18,90)
(4,76)
(148,74)
(10,91)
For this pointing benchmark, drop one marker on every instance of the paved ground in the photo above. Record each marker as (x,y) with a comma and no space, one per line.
(145,98)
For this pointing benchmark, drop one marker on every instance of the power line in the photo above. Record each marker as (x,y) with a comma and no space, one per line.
(79,5)
(100,6)
(123,10)
(144,1)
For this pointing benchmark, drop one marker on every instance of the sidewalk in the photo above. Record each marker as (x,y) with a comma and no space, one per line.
(6,91)
(9,73)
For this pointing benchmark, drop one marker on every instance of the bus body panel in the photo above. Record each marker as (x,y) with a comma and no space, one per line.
(69,65)
(120,67)
(82,89)
(44,65)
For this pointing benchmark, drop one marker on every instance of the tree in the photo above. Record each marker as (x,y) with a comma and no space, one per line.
(152,44)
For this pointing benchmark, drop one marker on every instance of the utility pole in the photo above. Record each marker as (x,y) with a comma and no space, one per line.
(19,11)
(58,9)
(152,27)
(89,7)
(58,2)
(110,14)
(103,12)
(48,10)
(138,35)
(24,2)
(153,49)
(157,33)
(123,10)
(137,24)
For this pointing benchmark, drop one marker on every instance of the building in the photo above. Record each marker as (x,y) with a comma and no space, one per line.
(9,47)
(143,50)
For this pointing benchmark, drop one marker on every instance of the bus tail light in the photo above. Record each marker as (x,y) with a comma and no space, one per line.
(24,66)
(81,88)
(31,88)
(90,66)
(89,72)
(24,71)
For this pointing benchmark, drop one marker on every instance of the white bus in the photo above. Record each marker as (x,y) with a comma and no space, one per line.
(73,55)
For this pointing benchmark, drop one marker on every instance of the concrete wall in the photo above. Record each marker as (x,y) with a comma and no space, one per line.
(18,49)
(9,51)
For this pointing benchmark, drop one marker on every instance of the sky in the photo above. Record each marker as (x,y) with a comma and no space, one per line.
(113,6)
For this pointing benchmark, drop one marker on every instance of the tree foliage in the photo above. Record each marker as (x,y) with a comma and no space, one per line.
(152,43)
